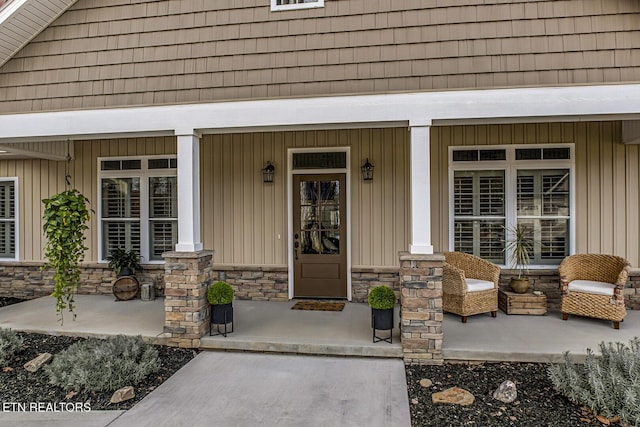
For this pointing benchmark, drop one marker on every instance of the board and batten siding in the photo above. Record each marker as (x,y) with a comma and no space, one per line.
(39,179)
(245,220)
(607,179)
(242,216)
(106,53)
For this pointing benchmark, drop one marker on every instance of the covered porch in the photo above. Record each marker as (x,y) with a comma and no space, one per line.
(273,327)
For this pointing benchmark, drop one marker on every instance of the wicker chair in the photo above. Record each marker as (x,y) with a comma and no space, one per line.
(592,286)
(469,285)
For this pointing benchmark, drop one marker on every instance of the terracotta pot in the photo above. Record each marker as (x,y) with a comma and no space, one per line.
(519,285)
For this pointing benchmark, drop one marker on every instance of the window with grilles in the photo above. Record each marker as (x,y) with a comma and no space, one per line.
(7,219)
(527,185)
(139,206)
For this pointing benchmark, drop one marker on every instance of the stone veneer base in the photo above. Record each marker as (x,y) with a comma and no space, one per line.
(23,279)
(421,313)
(186,307)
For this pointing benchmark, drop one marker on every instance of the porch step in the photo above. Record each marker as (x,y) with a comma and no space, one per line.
(381,349)
(269,326)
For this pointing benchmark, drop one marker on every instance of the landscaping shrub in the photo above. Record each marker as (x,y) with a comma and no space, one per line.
(10,343)
(608,383)
(103,365)
(382,298)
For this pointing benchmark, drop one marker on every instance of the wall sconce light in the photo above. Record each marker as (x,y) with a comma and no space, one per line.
(367,171)
(268,172)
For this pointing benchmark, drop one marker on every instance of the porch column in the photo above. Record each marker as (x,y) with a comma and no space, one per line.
(421,308)
(186,310)
(189,239)
(420,190)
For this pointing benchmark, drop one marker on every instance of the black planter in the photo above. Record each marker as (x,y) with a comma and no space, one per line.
(382,320)
(125,271)
(221,314)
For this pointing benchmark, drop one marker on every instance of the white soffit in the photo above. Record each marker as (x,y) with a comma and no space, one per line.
(22,20)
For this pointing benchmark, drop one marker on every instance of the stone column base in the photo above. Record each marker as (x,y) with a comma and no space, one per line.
(421,308)
(185,305)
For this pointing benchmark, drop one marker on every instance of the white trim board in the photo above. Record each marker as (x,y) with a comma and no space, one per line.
(599,102)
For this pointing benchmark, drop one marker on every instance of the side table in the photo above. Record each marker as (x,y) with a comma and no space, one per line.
(529,303)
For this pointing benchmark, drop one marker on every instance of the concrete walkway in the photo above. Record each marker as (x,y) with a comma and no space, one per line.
(249,389)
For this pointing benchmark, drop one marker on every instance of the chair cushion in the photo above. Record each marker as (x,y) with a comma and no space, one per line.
(477,285)
(592,287)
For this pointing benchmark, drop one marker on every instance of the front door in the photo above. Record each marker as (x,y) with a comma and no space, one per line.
(319,236)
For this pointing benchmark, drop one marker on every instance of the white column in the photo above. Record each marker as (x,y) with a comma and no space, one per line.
(420,191)
(188,192)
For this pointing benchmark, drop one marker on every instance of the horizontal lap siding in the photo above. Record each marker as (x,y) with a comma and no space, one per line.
(111,53)
(607,179)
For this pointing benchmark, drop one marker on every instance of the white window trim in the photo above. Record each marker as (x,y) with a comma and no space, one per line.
(16,236)
(511,166)
(144,173)
(280,7)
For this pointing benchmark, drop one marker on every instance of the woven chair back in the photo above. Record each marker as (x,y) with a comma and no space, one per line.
(598,267)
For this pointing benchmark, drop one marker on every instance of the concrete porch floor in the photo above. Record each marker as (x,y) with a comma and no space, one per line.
(274,327)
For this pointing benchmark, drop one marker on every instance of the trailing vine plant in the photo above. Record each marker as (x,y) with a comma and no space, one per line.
(65,220)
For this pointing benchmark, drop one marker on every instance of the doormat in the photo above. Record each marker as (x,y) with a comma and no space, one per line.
(318,306)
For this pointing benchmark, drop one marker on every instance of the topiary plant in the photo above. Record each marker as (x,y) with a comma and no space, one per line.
(382,298)
(609,383)
(10,343)
(220,293)
(65,220)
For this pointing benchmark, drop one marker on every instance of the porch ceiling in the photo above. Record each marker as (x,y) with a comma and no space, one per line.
(22,20)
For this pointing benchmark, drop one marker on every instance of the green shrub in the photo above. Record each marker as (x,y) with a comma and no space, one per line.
(609,383)
(382,297)
(10,343)
(103,365)
(220,293)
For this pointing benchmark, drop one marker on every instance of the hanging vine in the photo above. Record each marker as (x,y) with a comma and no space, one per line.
(65,220)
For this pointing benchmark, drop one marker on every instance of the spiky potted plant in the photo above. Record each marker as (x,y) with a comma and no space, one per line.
(518,248)
(220,297)
(382,300)
(124,262)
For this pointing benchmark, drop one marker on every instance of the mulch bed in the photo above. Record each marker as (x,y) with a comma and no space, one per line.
(537,404)
(19,386)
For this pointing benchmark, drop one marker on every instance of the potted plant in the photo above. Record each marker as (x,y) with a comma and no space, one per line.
(220,297)
(382,300)
(124,262)
(518,247)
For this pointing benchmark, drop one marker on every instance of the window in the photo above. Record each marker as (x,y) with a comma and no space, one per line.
(494,189)
(295,4)
(8,226)
(139,206)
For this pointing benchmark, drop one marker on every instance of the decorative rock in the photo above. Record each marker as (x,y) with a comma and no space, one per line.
(453,395)
(35,364)
(506,393)
(125,393)
(426,383)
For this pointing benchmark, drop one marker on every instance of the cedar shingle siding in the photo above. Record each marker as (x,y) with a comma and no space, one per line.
(104,53)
